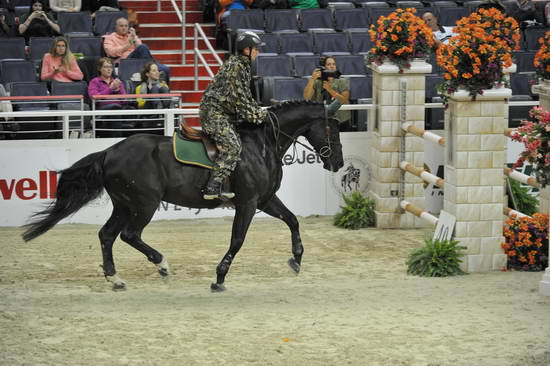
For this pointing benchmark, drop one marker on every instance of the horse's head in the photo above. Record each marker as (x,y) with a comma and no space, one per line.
(324,136)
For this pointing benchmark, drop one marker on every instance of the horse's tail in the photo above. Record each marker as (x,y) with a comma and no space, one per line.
(78,185)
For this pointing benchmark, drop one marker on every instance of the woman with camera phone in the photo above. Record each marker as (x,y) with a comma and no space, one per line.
(37,23)
(326,85)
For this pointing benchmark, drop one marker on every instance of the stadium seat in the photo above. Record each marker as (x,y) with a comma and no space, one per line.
(373,13)
(272,46)
(105,21)
(29,89)
(15,71)
(74,88)
(286,89)
(296,44)
(343,4)
(75,22)
(331,44)
(351,65)
(281,20)
(39,46)
(360,42)
(316,20)
(304,65)
(472,5)
(351,19)
(129,66)
(12,48)
(89,46)
(360,88)
(531,37)
(448,16)
(273,66)
(524,60)
(246,20)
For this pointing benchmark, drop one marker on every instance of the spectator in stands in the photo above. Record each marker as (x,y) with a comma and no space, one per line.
(326,85)
(7,28)
(60,64)
(151,84)
(227,5)
(522,10)
(37,23)
(102,5)
(106,84)
(441,33)
(65,5)
(303,4)
(124,43)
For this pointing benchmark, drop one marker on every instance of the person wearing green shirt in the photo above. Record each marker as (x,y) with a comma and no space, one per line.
(303,4)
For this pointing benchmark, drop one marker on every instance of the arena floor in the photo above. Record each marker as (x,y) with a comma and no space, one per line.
(352,304)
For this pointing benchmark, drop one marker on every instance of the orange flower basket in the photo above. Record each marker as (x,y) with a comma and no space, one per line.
(527,242)
(542,57)
(399,38)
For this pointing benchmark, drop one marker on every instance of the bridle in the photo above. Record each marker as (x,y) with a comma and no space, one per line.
(324,152)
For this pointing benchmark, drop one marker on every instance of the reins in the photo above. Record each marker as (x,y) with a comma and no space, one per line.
(324,152)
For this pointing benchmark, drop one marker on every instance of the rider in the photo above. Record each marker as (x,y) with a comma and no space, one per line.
(226,102)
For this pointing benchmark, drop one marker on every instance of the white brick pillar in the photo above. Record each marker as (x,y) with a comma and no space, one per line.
(475,154)
(385,137)
(543,90)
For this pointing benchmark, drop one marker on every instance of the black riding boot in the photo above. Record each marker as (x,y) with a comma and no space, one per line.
(214,190)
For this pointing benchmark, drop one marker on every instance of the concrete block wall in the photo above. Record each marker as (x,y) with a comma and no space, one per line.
(386,142)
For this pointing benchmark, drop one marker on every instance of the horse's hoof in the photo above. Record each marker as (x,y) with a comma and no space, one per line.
(163,268)
(163,272)
(119,286)
(294,265)
(216,287)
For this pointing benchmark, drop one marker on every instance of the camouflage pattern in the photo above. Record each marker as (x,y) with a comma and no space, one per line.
(228,99)
(340,85)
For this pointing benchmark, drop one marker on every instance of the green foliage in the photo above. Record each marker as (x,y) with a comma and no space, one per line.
(438,258)
(357,213)
(525,202)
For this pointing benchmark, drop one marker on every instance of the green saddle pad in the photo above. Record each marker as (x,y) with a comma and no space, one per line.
(191,152)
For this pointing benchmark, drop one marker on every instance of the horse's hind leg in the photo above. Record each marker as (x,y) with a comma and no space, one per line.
(131,234)
(277,209)
(107,237)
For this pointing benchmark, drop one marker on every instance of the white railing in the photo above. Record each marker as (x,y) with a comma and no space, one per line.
(197,31)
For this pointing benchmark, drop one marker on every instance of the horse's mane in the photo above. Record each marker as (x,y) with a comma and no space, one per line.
(291,104)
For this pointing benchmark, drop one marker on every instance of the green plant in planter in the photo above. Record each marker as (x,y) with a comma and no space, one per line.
(438,258)
(525,202)
(357,213)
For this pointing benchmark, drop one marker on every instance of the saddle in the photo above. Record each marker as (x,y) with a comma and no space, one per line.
(189,133)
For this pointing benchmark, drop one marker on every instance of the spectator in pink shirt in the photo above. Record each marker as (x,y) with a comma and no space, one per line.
(124,43)
(60,64)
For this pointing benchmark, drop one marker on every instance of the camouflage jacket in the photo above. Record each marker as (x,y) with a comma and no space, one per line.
(230,93)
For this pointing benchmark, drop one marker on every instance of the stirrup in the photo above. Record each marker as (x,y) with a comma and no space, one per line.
(214,190)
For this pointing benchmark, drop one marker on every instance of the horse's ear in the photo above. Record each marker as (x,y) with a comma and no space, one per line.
(333,107)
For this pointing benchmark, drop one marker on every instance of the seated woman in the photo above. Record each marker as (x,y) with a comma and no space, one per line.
(326,85)
(37,23)
(151,84)
(106,84)
(60,64)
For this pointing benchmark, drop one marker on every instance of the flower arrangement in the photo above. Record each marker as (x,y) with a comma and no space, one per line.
(535,136)
(474,59)
(527,242)
(399,38)
(542,57)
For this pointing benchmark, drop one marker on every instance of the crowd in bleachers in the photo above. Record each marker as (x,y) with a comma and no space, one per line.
(36,61)
(296,39)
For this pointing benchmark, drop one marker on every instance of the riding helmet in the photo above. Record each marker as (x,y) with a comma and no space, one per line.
(247,39)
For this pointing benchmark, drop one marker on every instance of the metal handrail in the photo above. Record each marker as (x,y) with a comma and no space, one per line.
(197,30)
(181,17)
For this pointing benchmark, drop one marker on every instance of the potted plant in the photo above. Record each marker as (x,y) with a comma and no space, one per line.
(400,38)
(527,242)
(542,59)
(534,134)
(474,59)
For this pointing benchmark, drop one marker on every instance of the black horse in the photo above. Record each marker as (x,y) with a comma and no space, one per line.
(140,172)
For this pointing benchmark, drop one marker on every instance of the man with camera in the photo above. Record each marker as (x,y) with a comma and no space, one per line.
(326,85)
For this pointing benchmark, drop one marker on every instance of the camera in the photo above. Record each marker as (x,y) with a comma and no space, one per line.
(325,74)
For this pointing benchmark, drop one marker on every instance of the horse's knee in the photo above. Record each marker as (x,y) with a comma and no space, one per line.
(127,236)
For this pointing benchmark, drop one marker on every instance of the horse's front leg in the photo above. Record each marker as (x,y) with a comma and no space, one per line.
(241,222)
(277,209)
